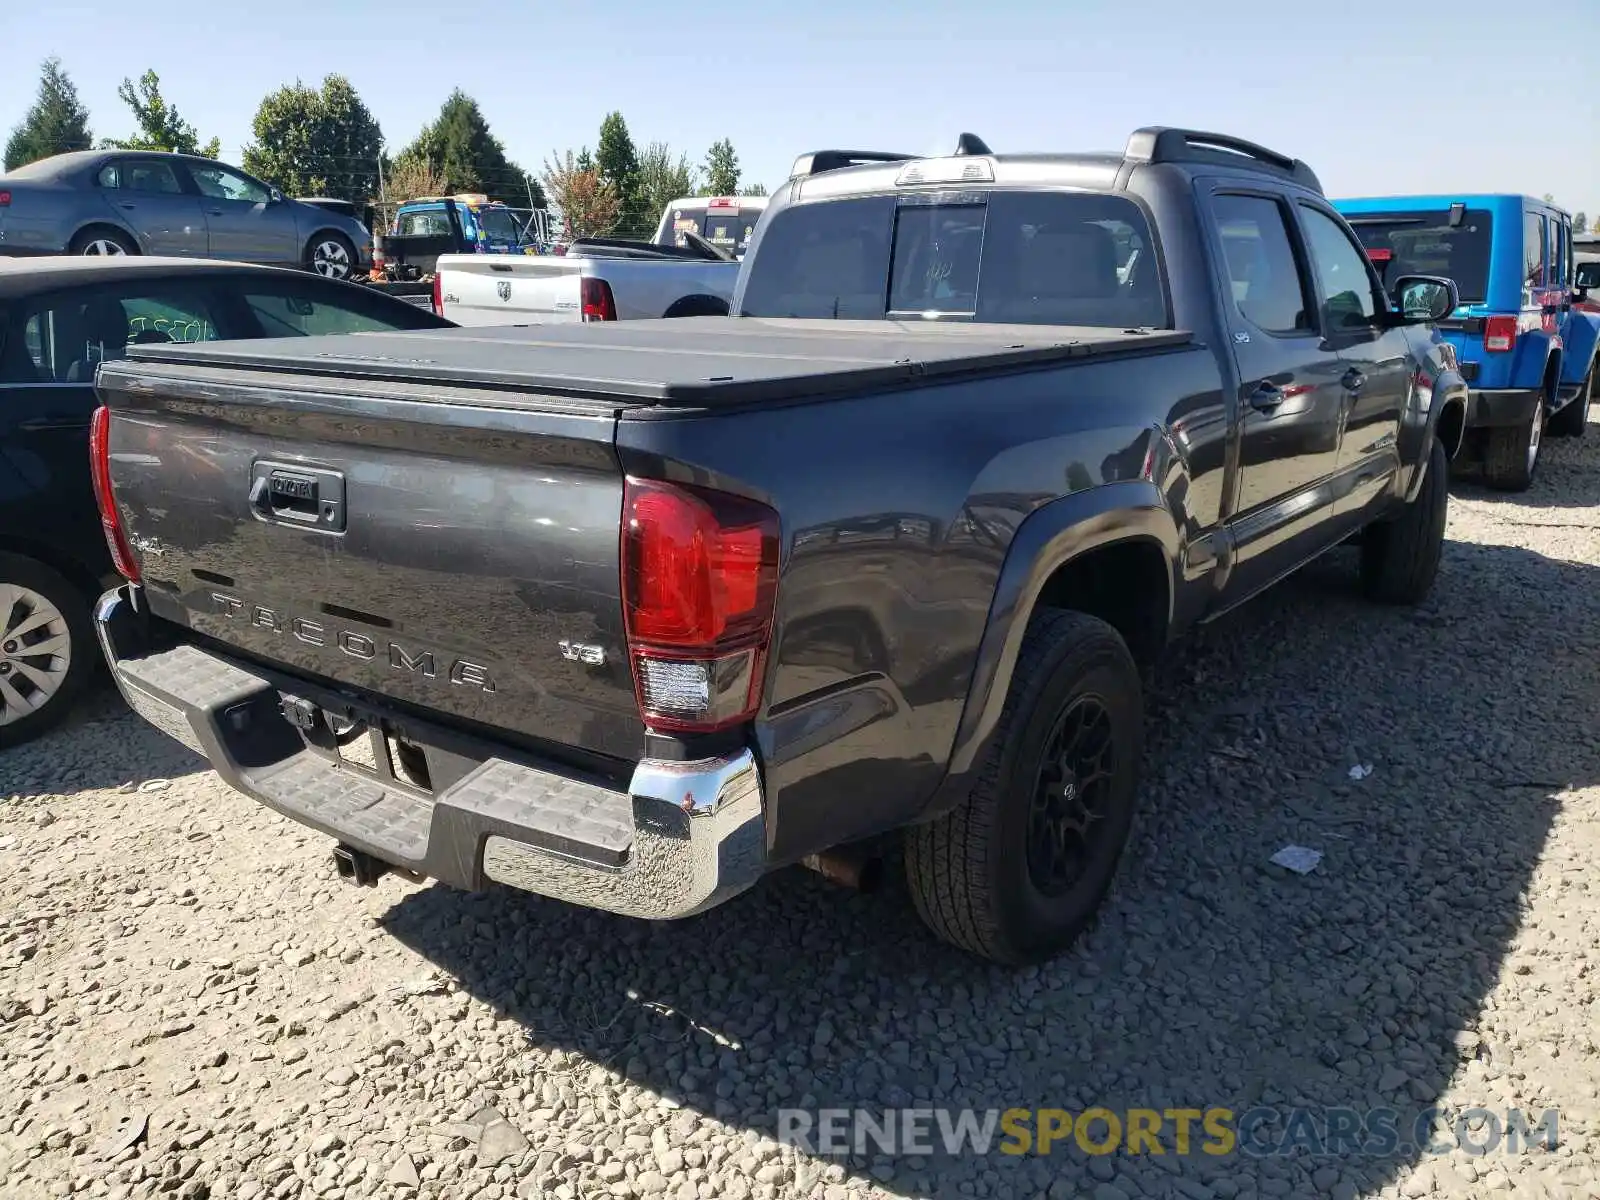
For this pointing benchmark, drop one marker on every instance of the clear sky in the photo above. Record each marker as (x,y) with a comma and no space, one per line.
(1405,96)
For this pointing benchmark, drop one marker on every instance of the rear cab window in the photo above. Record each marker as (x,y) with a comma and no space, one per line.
(1009,257)
(726,227)
(424,222)
(1426,243)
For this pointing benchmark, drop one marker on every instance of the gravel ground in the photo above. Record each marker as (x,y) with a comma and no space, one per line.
(191,1005)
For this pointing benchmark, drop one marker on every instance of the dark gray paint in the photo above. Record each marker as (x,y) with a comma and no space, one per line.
(921,517)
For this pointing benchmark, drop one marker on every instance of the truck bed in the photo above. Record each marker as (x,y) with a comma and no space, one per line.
(698,362)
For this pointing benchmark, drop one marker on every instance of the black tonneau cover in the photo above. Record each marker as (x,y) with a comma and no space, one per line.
(690,361)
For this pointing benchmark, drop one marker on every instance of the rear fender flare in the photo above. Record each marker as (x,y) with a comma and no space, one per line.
(1417,430)
(1582,338)
(1049,538)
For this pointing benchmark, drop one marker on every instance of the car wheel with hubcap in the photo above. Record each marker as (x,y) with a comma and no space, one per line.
(102,242)
(1512,452)
(332,256)
(1572,420)
(1019,868)
(47,649)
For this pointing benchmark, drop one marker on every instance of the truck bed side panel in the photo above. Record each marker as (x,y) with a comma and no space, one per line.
(889,573)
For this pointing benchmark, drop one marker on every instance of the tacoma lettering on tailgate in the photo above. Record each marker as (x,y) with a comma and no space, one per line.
(407,660)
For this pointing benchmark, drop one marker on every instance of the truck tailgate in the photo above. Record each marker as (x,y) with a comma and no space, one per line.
(440,547)
(495,289)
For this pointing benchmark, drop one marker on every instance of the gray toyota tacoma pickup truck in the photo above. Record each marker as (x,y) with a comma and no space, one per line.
(631,614)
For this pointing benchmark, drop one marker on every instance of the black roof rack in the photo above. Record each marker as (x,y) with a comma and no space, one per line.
(1158,144)
(819,161)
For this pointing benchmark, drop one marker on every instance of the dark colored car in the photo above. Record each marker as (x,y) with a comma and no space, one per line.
(630,613)
(116,202)
(59,319)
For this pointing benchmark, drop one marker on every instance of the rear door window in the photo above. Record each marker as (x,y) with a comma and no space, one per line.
(1268,287)
(66,335)
(1060,258)
(141,175)
(1533,250)
(304,310)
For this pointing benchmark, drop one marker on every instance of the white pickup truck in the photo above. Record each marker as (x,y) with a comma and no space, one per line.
(681,272)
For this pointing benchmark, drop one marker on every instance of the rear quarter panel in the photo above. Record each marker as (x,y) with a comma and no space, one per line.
(42,218)
(899,512)
(644,290)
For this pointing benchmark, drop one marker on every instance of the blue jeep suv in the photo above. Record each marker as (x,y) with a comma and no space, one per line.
(1527,353)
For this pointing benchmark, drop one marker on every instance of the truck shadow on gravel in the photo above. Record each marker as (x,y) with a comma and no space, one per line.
(100,744)
(1213,978)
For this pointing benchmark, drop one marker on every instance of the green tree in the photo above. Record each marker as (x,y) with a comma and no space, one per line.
(618,164)
(753,189)
(663,180)
(317,142)
(56,123)
(722,169)
(460,148)
(1580,222)
(159,125)
(584,161)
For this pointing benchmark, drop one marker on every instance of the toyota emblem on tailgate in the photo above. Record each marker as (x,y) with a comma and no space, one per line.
(504,288)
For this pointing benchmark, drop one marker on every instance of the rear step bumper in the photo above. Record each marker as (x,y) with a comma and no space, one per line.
(683,838)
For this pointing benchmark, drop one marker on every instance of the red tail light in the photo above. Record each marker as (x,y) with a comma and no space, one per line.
(699,583)
(1380,255)
(438,296)
(598,302)
(110,519)
(1499,334)
(5,199)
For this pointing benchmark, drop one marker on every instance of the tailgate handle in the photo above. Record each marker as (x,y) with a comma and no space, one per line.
(289,494)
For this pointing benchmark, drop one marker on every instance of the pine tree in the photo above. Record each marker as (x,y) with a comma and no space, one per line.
(618,164)
(460,148)
(56,123)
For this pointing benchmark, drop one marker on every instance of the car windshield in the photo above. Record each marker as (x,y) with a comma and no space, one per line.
(1035,258)
(1425,243)
(728,228)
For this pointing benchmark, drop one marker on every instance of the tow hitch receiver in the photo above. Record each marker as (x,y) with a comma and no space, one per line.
(357,866)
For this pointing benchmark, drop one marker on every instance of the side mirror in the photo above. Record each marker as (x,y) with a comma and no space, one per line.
(274,196)
(1425,298)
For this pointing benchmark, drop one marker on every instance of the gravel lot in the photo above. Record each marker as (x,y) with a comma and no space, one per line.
(184,962)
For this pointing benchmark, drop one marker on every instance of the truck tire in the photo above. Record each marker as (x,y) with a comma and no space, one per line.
(1009,875)
(1572,420)
(47,648)
(1400,557)
(1511,453)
